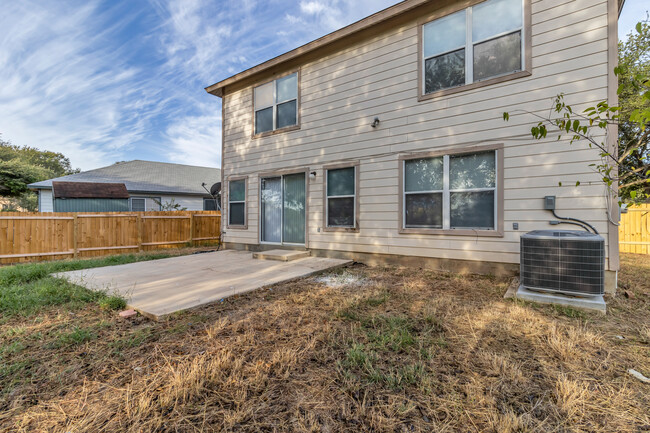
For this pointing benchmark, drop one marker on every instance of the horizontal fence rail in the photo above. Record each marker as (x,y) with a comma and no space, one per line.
(28,237)
(634,230)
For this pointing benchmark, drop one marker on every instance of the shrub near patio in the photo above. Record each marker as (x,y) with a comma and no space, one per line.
(359,349)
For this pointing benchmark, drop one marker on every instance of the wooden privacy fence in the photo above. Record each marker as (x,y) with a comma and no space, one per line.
(634,231)
(50,236)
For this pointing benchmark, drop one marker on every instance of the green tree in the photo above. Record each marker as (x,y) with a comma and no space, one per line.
(169,205)
(20,166)
(634,111)
(629,165)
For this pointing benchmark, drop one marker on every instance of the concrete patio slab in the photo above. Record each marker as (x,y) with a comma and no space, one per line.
(160,287)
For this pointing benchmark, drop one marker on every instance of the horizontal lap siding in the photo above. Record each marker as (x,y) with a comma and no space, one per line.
(45,201)
(343,92)
(185,201)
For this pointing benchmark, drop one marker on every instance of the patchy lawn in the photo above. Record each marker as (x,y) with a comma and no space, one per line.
(359,349)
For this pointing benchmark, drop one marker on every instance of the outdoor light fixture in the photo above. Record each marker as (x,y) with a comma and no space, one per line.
(312,175)
(375,123)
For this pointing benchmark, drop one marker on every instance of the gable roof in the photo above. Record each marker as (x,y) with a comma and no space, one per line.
(89,190)
(146,177)
(295,57)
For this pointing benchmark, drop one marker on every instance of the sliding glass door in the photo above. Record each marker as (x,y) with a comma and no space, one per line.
(283,209)
(272,210)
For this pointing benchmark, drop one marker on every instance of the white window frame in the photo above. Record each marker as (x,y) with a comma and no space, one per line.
(446,192)
(275,104)
(354,196)
(230,201)
(144,206)
(469,49)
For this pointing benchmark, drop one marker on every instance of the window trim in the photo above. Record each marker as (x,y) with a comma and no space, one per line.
(326,168)
(295,127)
(452,151)
(227,202)
(137,198)
(145,202)
(526,39)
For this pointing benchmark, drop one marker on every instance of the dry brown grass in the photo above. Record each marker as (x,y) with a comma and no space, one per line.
(377,350)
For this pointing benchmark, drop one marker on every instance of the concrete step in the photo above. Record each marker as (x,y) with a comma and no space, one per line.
(281,255)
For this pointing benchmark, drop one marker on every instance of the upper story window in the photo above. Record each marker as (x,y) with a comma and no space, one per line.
(478,43)
(276,104)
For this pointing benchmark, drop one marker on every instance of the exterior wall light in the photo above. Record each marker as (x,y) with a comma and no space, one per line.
(312,175)
(375,123)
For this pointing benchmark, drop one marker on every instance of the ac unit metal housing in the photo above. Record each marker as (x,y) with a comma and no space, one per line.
(563,261)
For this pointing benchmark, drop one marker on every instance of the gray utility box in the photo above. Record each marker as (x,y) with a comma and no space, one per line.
(563,261)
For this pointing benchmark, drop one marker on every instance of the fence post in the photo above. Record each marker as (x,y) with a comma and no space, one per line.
(139,229)
(192,228)
(75,235)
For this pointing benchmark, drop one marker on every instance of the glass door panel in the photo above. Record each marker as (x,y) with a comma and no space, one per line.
(272,210)
(294,208)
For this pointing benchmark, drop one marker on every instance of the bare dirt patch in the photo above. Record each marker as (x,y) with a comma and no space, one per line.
(358,349)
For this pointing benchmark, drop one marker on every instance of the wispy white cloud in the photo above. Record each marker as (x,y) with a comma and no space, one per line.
(63,90)
(196,140)
(103,81)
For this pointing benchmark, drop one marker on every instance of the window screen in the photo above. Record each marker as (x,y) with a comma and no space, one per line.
(209,204)
(138,204)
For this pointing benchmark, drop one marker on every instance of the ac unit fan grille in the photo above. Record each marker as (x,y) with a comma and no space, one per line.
(563,263)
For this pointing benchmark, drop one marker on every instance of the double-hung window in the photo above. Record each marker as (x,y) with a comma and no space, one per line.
(276,104)
(450,192)
(237,202)
(138,204)
(477,43)
(341,198)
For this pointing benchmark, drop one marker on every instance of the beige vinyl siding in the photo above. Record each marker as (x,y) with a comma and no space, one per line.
(343,92)
(190,202)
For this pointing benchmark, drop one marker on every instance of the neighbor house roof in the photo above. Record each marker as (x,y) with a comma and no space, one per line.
(332,41)
(146,177)
(89,190)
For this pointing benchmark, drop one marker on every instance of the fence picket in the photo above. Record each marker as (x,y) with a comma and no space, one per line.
(49,236)
(634,230)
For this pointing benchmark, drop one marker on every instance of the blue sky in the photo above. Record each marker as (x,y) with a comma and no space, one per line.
(106,81)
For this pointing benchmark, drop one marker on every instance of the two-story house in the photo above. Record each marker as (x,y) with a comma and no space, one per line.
(384,141)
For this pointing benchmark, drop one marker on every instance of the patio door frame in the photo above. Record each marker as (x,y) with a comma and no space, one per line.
(281,174)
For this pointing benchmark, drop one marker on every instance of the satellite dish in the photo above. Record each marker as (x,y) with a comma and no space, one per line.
(215,189)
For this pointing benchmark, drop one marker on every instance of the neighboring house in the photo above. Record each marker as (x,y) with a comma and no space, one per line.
(384,141)
(90,197)
(9,205)
(149,184)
